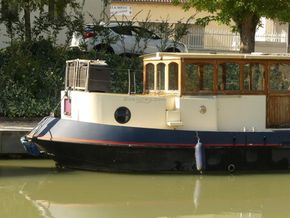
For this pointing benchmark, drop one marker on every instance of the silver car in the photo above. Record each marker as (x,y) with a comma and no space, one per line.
(124,39)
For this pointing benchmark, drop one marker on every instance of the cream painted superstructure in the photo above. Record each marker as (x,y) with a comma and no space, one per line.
(222,113)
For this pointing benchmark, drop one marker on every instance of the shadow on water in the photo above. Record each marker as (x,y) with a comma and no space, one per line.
(82,194)
(26,167)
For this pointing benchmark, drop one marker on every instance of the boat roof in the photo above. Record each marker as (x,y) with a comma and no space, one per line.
(178,55)
(91,62)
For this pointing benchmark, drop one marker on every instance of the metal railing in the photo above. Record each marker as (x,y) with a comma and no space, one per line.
(215,40)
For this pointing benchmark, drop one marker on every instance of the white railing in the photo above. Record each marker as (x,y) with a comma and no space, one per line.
(214,40)
(272,38)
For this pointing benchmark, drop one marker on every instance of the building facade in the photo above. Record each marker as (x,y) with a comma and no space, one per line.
(91,9)
(270,37)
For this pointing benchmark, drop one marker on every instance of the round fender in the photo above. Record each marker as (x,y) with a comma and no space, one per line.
(231,168)
(199,156)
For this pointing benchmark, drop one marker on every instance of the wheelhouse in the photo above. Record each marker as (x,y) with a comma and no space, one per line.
(189,74)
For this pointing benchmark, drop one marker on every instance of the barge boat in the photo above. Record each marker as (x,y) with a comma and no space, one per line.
(198,112)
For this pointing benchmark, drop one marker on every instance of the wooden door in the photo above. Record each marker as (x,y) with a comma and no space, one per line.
(278,111)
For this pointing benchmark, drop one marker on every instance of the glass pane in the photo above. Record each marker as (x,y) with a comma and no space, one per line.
(229,76)
(173,76)
(70,74)
(150,76)
(199,77)
(191,77)
(280,77)
(82,76)
(160,76)
(254,77)
(207,78)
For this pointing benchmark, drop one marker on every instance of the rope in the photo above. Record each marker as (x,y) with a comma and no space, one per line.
(65,95)
(196,135)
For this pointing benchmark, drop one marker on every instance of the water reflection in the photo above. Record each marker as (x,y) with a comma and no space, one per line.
(38,190)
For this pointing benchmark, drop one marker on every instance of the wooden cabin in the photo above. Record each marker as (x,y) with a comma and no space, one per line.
(189,74)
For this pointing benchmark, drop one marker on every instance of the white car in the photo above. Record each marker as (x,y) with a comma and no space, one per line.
(124,39)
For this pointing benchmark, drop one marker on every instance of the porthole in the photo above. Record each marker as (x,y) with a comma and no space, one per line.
(122,115)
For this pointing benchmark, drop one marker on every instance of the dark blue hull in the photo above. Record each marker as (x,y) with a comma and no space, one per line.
(117,148)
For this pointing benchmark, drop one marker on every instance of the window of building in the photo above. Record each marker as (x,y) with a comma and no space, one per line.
(194,37)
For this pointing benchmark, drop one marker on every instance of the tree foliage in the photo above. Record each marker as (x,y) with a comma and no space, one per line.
(242,15)
(32,75)
(31,19)
(32,66)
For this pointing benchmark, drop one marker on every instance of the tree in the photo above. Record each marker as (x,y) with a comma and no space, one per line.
(242,15)
(31,19)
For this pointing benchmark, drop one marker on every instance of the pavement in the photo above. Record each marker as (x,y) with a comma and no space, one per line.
(23,125)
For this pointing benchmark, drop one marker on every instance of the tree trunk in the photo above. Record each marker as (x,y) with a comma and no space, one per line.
(247,30)
(27,21)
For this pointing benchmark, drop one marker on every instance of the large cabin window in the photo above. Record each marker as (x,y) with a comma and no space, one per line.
(228,77)
(191,77)
(173,76)
(279,77)
(254,77)
(150,76)
(207,77)
(199,77)
(160,76)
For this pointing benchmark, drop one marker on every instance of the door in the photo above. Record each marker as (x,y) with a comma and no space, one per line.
(278,98)
(278,111)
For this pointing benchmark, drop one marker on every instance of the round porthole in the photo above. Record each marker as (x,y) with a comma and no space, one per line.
(122,115)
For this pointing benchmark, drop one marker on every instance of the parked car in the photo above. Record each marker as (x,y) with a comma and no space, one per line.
(124,39)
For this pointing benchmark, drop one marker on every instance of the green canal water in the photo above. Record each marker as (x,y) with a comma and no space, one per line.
(34,188)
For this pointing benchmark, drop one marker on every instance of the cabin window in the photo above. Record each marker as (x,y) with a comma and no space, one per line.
(191,77)
(160,76)
(228,76)
(173,76)
(207,77)
(280,77)
(70,75)
(254,77)
(149,76)
(199,77)
(122,115)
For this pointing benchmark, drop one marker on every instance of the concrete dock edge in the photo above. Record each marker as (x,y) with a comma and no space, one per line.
(10,134)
